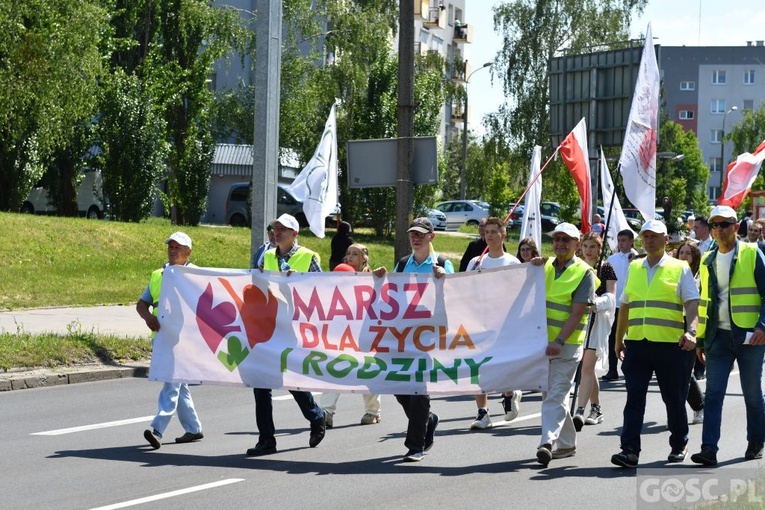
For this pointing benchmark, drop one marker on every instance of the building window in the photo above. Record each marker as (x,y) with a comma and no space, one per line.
(748,104)
(718,106)
(749,77)
(716,136)
(424,36)
(450,17)
(437,44)
(686,114)
(687,85)
(718,77)
(714,165)
(714,192)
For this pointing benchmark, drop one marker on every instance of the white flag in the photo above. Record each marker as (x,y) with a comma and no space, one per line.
(316,185)
(532,220)
(638,160)
(617,221)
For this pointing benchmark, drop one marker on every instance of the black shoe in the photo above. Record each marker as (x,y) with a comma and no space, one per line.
(706,457)
(754,450)
(431,431)
(578,419)
(318,429)
(189,437)
(544,454)
(261,449)
(677,455)
(610,376)
(625,459)
(153,437)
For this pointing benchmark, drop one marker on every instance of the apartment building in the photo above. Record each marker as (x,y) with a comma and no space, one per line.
(707,89)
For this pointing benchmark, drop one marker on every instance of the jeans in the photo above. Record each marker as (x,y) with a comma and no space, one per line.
(417,410)
(264,412)
(721,352)
(176,397)
(672,366)
(557,424)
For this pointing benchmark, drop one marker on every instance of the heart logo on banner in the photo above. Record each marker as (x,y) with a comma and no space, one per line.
(257,310)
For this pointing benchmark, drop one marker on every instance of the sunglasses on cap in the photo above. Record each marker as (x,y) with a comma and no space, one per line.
(721,224)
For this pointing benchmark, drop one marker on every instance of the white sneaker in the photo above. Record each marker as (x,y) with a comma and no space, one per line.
(482,421)
(512,405)
(698,416)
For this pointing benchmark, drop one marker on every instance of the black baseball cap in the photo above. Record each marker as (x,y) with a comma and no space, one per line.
(422,225)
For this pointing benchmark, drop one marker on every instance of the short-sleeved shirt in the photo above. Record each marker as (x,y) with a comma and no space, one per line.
(488,262)
(426,267)
(686,287)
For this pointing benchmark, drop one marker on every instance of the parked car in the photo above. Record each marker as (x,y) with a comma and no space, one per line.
(516,218)
(463,212)
(436,217)
(550,212)
(238,211)
(635,218)
(89,198)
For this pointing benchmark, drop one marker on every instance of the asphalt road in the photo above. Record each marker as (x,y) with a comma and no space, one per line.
(81,446)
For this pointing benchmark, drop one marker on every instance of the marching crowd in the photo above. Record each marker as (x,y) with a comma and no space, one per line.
(679,318)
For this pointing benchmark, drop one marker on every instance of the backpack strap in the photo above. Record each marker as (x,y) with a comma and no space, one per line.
(440,261)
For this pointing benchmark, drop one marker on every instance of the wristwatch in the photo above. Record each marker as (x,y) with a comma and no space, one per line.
(560,341)
(691,332)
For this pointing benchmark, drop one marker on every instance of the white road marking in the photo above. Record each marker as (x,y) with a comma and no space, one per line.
(94,426)
(171,494)
(520,418)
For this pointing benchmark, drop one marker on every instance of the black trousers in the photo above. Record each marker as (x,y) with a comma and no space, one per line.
(417,409)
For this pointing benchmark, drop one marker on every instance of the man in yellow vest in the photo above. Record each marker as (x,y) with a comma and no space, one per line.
(173,396)
(570,287)
(732,328)
(287,256)
(657,290)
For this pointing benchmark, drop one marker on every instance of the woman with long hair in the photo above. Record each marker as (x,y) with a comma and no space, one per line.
(527,250)
(356,259)
(601,319)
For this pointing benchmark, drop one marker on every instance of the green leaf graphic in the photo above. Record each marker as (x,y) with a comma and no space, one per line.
(235,355)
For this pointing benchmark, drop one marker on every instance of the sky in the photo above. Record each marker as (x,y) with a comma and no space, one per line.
(674,23)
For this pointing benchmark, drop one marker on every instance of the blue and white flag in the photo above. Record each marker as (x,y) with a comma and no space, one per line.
(316,185)
(618,221)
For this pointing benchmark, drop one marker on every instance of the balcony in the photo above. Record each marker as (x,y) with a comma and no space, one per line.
(463,34)
(421,8)
(436,18)
(458,114)
(460,71)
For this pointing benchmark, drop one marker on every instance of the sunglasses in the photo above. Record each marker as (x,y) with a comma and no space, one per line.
(721,224)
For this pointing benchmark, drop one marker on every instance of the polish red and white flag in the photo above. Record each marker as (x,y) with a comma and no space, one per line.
(740,176)
(575,155)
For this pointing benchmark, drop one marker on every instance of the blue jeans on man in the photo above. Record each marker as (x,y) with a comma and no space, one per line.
(672,366)
(721,352)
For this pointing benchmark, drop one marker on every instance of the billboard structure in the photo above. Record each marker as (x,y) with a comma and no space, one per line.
(597,86)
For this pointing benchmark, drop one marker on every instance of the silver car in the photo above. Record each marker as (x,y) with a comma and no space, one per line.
(463,212)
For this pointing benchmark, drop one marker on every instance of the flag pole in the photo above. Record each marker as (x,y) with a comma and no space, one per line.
(510,213)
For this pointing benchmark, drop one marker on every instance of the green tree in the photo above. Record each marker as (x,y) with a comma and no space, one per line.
(682,181)
(50,60)
(535,31)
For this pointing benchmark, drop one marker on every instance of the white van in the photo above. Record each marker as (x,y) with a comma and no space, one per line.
(89,201)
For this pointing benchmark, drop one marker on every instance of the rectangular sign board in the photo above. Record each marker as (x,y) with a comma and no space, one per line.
(372,163)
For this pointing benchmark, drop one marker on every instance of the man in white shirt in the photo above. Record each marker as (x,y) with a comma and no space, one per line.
(620,260)
(701,227)
(494,235)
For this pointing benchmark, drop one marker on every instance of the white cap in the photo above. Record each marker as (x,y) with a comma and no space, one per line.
(568,229)
(288,221)
(723,211)
(180,238)
(655,226)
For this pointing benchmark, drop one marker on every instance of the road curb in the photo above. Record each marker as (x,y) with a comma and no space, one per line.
(47,378)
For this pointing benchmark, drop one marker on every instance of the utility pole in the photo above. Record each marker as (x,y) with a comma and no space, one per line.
(404,186)
(265,157)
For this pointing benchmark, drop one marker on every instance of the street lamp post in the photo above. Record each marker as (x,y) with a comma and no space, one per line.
(463,182)
(722,144)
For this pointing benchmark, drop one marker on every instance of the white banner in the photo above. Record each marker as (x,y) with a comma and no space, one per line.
(532,220)
(352,332)
(316,184)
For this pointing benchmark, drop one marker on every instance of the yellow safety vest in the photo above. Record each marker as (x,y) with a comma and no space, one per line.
(558,304)
(300,261)
(743,294)
(656,312)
